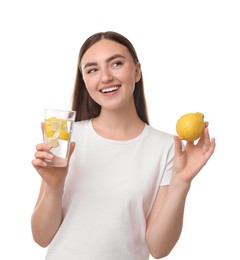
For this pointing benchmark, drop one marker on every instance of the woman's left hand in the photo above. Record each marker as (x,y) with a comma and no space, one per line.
(189,161)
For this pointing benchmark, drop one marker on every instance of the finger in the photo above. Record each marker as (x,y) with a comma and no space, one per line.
(43,147)
(43,155)
(37,163)
(205,139)
(178,145)
(72,147)
(211,148)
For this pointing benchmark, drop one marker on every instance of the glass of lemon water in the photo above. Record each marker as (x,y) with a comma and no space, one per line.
(58,128)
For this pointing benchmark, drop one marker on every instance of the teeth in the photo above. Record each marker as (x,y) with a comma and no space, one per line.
(109,89)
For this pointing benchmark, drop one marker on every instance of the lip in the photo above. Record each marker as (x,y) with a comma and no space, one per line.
(111,89)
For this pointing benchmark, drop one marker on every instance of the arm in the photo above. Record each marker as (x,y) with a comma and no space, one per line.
(165,221)
(47,215)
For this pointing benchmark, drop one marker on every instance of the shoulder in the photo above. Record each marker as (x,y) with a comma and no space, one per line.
(157,135)
(80,127)
(158,142)
(82,123)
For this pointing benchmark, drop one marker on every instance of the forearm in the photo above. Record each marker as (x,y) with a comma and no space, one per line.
(47,216)
(165,229)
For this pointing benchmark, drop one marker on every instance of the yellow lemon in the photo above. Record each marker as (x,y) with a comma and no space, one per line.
(63,122)
(64,135)
(56,124)
(51,119)
(53,142)
(48,131)
(190,126)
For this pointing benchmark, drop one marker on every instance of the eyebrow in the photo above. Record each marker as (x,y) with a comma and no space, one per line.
(115,56)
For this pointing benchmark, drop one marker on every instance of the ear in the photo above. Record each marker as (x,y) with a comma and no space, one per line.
(138,72)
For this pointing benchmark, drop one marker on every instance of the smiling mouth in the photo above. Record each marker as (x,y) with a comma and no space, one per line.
(110,89)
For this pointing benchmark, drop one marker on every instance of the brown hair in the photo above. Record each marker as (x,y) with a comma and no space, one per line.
(82,103)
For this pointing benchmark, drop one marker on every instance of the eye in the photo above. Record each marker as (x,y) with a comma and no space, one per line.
(91,71)
(117,64)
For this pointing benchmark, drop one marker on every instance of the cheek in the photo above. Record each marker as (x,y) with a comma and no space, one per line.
(127,75)
(132,75)
(131,79)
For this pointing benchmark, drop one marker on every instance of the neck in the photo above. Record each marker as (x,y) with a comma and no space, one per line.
(118,125)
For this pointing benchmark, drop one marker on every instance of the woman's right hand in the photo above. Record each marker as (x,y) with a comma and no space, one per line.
(54,177)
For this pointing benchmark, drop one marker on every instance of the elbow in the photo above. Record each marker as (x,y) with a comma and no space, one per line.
(158,256)
(41,242)
(43,245)
(156,250)
(43,239)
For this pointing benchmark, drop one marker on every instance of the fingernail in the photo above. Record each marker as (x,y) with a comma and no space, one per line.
(49,146)
(50,156)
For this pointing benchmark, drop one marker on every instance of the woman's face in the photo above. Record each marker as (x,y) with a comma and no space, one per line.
(110,74)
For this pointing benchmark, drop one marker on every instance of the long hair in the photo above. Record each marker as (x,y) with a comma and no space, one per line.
(82,103)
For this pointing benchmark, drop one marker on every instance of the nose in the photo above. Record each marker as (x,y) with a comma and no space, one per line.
(106,76)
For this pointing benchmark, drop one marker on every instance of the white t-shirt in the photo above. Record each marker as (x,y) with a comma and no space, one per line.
(109,191)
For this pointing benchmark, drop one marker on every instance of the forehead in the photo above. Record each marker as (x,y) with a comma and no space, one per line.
(104,49)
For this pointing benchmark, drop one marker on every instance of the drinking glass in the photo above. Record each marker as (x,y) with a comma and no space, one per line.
(57,132)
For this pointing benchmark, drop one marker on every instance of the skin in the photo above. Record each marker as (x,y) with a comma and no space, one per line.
(108,64)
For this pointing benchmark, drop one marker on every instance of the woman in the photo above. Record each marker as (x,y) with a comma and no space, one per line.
(123,193)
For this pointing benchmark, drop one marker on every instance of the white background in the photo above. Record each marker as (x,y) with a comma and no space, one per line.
(190,55)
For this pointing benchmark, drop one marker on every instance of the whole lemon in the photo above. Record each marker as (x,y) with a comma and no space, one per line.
(190,126)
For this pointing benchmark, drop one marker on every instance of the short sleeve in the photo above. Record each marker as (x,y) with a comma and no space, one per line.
(167,174)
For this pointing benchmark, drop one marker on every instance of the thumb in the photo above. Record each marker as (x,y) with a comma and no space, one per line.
(72,147)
